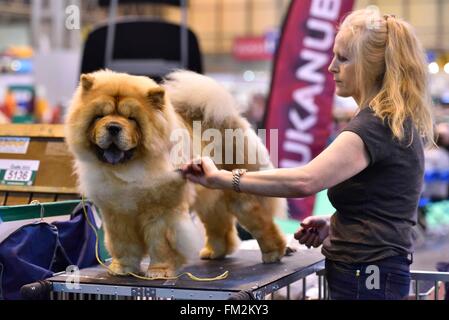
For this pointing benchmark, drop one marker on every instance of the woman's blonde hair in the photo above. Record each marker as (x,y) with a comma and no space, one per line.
(390,58)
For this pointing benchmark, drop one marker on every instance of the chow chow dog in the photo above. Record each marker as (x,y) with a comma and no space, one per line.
(120,128)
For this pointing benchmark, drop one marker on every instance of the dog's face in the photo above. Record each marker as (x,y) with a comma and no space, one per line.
(116,117)
(114,134)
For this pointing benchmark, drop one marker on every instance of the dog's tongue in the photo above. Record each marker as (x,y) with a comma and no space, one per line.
(113,155)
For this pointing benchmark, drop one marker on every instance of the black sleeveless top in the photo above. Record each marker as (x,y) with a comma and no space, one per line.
(377,208)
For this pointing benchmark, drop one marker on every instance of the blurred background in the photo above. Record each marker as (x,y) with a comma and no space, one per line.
(41,46)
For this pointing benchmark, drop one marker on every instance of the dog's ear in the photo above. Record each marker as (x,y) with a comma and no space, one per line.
(87,81)
(156,97)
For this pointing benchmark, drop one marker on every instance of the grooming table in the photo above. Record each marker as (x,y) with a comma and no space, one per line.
(248,279)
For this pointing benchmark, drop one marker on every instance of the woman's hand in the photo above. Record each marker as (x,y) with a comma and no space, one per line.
(202,171)
(313,231)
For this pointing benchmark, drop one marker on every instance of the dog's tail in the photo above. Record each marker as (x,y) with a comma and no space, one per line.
(198,97)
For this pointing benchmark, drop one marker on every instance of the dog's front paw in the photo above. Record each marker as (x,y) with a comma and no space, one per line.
(207,254)
(160,272)
(118,269)
(272,256)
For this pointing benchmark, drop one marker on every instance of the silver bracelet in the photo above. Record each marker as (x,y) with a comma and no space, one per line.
(236,175)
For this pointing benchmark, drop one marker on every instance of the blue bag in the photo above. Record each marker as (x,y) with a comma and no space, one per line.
(35,251)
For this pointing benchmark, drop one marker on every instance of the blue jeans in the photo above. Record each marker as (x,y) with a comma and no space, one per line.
(386,279)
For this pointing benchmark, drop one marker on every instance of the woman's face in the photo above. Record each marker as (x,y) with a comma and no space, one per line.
(343,69)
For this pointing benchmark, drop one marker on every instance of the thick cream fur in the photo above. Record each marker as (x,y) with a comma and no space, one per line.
(145,204)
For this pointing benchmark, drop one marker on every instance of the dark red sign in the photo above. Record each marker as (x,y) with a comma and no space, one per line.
(302,90)
(251,48)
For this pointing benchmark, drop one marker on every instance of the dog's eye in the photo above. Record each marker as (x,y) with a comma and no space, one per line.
(132,119)
(97,117)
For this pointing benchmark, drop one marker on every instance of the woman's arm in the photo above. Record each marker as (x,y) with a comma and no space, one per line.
(341,160)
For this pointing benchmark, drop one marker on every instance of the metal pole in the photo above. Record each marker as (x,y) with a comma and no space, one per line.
(324,288)
(36,17)
(249,12)
(57,16)
(320,281)
(304,289)
(417,289)
(406,9)
(436,290)
(219,26)
(184,35)
(440,43)
(110,33)
(74,35)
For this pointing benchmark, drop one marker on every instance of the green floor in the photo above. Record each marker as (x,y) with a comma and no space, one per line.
(322,208)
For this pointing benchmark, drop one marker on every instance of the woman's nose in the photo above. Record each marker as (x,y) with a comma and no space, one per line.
(332,67)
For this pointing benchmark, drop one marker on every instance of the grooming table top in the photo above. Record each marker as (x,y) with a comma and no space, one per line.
(246,273)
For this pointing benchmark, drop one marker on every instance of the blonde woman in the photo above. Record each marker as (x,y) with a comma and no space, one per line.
(373,170)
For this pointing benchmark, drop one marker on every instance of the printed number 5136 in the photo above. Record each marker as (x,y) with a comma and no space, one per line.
(17,175)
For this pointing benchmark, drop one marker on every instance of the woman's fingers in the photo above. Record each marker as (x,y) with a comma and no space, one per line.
(208,165)
(317,242)
(197,168)
(310,240)
(301,235)
(313,222)
(304,239)
(298,234)
(308,237)
(305,227)
(307,222)
(192,168)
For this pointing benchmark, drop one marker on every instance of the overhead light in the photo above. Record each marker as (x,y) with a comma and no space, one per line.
(434,68)
(446,68)
(16,65)
(249,76)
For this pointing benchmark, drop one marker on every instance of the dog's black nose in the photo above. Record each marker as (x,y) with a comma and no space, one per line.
(113,128)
